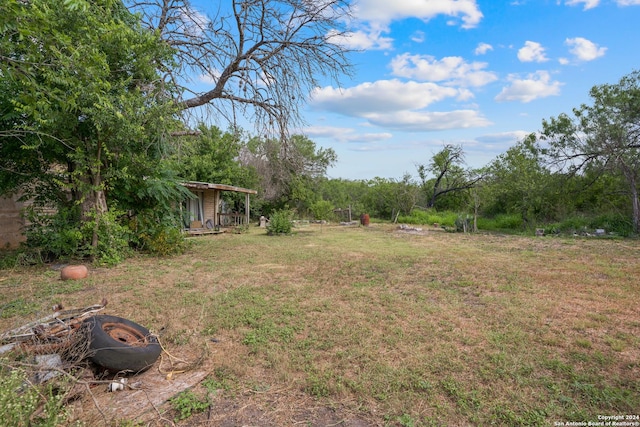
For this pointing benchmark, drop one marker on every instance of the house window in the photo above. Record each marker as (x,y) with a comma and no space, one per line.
(194,207)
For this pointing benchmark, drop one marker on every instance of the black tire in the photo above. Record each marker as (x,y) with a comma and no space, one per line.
(119,344)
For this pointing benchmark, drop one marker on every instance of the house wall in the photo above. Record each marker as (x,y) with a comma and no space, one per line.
(11,222)
(209,206)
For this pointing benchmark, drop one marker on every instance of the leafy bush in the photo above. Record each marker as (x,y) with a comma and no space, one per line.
(155,235)
(501,222)
(280,222)
(20,402)
(113,237)
(60,235)
(322,210)
(614,223)
(611,223)
(419,216)
(55,235)
(187,404)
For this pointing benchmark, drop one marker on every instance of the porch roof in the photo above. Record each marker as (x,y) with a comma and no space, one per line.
(222,187)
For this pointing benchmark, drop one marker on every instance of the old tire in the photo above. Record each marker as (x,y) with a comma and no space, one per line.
(119,344)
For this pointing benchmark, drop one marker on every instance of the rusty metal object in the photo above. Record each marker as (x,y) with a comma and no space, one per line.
(51,329)
(125,334)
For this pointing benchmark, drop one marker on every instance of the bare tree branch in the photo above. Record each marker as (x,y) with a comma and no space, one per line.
(262,57)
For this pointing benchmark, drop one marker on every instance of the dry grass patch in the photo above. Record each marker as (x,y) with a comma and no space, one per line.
(369,326)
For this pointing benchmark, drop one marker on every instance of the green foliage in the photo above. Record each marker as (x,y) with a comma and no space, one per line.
(388,198)
(20,402)
(318,385)
(113,237)
(501,222)
(82,116)
(322,210)
(280,222)
(59,236)
(601,138)
(158,235)
(611,223)
(451,180)
(518,183)
(223,379)
(406,420)
(56,235)
(430,217)
(213,156)
(614,223)
(288,170)
(343,193)
(187,404)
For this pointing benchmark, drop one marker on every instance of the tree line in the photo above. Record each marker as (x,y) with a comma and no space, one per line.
(99,120)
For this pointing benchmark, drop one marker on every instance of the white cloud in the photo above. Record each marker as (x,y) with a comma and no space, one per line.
(345,134)
(588,4)
(482,48)
(384,11)
(421,121)
(537,85)
(502,138)
(532,52)
(418,37)
(585,50)
(452,69)
(628,2)
(192,22)
(398,105)
(362,40)
(382,96)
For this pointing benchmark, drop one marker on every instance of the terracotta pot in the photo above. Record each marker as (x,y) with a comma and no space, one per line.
(74,272)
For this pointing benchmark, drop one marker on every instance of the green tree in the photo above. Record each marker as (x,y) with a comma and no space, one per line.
(518,183)
(602,138)
(289,171)
(212,156)
(447,166)
(344,194)
(322,210)
(83,109)
(387,198)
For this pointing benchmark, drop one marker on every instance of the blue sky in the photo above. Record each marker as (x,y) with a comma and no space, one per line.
(477,73)
(480,73)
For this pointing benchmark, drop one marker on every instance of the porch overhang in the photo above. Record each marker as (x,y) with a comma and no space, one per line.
(215,190)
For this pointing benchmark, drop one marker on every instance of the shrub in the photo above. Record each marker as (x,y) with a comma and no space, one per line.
(280,222)
(20,402)
(322,210)
(419,216)
(55,235)
(61,235)
(155,235)
(187,404)
(611,223)
(113,237)
(614,223)
(501,222)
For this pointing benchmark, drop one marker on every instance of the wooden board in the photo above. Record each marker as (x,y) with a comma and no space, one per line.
(140,405)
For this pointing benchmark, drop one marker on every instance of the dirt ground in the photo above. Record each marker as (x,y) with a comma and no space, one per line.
(146,403)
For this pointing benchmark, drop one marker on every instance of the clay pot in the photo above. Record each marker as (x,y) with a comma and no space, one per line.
(74,272)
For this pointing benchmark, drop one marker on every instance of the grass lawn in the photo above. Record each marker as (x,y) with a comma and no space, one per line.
(376,326)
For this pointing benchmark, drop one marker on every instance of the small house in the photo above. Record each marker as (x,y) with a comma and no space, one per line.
(206,214)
